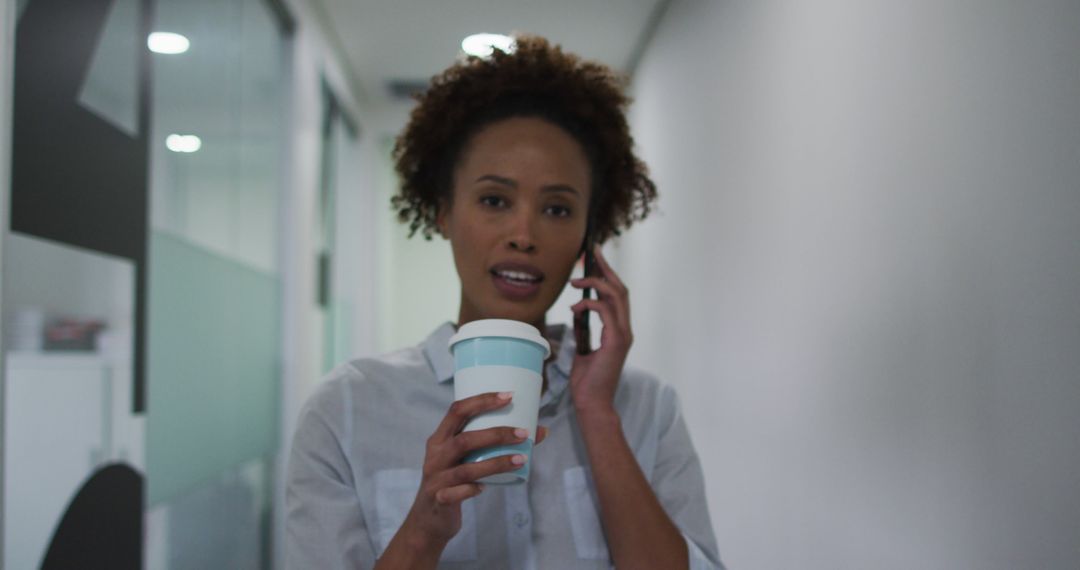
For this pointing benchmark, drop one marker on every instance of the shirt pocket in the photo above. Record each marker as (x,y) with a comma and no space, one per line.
(584,521)
(395,491)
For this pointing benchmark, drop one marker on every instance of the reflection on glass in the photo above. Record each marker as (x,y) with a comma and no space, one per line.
(20,5)
(168,43)
(110,89)
(225,90)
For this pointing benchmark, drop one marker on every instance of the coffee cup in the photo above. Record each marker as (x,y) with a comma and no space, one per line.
(501,355)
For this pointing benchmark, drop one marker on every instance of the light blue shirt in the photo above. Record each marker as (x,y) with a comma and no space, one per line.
(355,466)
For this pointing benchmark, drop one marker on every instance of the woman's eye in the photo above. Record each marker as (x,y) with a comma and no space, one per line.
(493,201)
(559,211)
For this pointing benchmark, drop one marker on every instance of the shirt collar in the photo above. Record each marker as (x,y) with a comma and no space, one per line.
(437,350)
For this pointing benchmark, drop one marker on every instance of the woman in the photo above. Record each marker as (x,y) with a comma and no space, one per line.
(513,159)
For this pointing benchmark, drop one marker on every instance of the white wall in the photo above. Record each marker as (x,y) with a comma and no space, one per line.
(418,287)
(866,279)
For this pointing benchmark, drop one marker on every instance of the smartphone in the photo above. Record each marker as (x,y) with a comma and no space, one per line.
(581,320)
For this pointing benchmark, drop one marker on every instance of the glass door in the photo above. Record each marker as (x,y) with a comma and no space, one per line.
(334,305)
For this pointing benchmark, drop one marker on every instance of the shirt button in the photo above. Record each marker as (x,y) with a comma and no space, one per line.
(521,519)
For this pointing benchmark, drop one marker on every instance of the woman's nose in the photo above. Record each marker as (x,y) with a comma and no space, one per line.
(521,238)
(522,244)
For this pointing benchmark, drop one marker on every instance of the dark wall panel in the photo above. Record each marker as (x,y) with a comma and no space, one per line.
(77,178)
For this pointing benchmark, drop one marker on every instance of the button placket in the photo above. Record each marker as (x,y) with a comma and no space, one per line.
(519,527)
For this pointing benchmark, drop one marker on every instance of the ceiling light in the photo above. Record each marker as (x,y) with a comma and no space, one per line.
(167,42)
(482,45)
(183,143)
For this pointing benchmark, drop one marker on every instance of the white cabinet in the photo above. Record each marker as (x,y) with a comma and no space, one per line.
(58,422)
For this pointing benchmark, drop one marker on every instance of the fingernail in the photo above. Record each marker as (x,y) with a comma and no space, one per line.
(518,459)
(505,395)
(521,433)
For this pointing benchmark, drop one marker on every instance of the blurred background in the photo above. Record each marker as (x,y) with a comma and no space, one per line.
(863,277)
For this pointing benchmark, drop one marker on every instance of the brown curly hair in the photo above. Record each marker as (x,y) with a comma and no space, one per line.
(536,79)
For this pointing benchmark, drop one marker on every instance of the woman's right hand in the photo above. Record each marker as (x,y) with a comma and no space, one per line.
(435,516)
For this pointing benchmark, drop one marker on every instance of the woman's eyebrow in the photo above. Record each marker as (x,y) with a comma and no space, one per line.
(513,184)
(497,180)
(560,188)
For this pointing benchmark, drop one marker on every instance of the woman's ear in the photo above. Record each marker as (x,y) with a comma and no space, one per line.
(441,218)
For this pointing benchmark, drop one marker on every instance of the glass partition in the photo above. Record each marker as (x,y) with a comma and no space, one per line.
(214,287)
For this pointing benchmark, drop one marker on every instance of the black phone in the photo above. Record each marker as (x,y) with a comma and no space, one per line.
(581,320)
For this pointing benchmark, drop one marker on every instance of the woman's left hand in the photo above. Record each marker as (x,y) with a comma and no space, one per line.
(595,376)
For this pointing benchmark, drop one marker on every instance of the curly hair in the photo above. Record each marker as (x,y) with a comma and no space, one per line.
(536,79)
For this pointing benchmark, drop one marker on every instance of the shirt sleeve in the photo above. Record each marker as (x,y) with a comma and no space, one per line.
(324,525)
(680,486)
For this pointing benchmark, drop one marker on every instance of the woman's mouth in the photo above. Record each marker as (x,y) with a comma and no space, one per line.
(517,283)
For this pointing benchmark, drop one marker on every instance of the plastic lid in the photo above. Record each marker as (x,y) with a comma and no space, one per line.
(506,328)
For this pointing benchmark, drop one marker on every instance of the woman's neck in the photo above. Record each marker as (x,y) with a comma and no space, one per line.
(464,318)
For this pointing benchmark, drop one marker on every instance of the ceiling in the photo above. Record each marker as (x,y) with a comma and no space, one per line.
(411,40)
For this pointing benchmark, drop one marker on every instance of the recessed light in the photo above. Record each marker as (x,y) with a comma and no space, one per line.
(167,43)
(482,45)
(183,143)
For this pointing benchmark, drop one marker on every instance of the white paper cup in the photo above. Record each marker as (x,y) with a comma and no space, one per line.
(500,355)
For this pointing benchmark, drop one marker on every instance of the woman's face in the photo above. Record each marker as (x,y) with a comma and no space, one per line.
(517,218)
